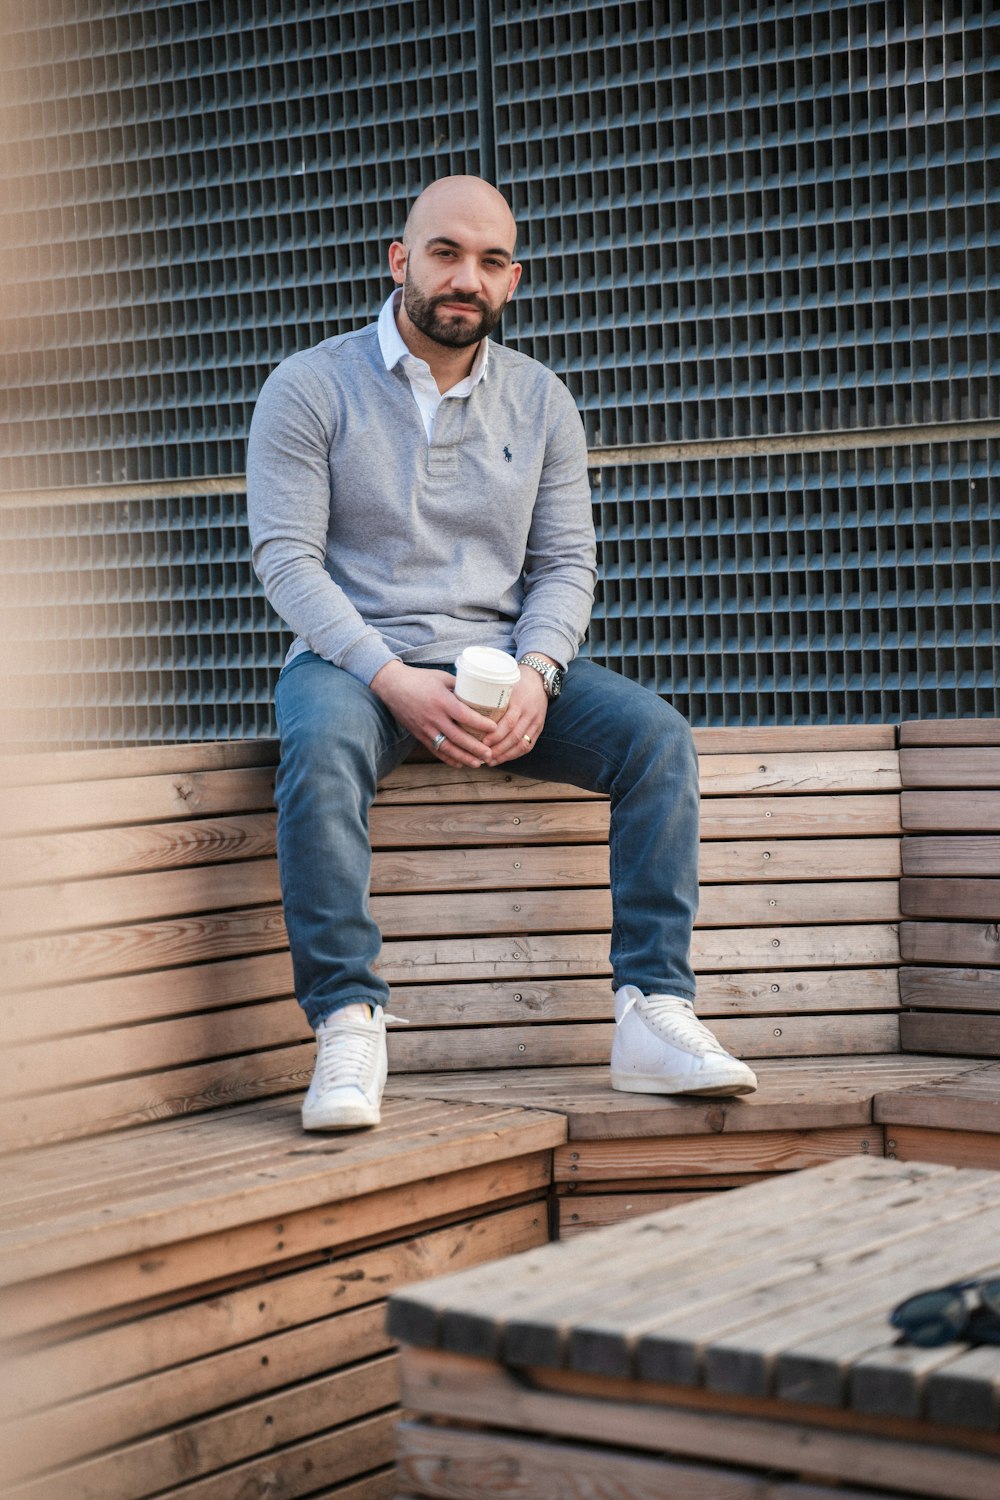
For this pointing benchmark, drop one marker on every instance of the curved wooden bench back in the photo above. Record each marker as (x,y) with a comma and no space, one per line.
(145,954)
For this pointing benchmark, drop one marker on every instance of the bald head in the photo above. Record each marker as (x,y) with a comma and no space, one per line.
(469,198)
(455,264)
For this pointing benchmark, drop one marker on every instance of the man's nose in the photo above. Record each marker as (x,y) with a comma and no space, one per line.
(466,277)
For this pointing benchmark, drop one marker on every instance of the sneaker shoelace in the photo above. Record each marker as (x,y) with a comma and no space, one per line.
(674,1021)
(348,1050)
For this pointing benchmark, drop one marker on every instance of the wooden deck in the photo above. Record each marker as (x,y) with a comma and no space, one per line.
(194,1291)
(746,1332)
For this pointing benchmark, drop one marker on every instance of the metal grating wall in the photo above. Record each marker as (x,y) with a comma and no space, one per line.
(746,226)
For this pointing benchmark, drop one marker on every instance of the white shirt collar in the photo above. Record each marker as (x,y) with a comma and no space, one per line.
(394,348)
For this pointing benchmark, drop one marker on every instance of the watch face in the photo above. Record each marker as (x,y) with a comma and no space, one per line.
(556,683)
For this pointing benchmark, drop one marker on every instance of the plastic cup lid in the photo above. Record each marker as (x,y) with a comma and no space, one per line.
(489,664)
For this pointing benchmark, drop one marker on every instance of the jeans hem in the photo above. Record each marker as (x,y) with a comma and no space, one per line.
(322,1010)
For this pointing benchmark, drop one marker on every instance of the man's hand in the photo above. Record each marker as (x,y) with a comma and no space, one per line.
(518,730)
(424,702)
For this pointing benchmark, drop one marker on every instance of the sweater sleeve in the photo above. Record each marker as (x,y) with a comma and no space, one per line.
(288,505)
(560,563)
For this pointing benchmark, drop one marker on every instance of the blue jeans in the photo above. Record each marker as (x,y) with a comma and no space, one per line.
(603,733)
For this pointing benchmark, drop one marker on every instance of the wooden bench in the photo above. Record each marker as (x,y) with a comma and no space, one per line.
(797,948)
(733,1347)
(193,1288)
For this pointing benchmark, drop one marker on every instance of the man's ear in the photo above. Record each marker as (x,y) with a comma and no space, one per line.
(515,276)
(397,261)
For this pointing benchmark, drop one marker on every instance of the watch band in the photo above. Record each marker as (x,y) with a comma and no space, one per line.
(547,670)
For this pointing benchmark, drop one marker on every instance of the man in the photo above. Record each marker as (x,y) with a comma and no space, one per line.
(415,489)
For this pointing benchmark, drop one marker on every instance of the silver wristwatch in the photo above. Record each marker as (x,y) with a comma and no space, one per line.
(551,675)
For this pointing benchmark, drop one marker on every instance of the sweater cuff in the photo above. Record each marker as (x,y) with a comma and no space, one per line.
(546,643)
(366,657)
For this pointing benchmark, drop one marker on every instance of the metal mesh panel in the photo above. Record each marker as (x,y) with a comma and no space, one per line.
(862,585)
(739,220)
(192,192)
(134,622)
(755,218)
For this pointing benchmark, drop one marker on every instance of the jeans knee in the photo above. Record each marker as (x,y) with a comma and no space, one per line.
(665,738)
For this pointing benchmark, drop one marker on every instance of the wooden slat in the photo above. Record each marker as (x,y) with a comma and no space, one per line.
(800,859)
(149,1099)
(955,1034)
(586,1211)
(950,732)
(136,799)
(950,812)
(130,761)
(793,1094)
(939,897)
(99,765)
(491,869)
(50,859)
(766,1151)
(568,1045)
(106,1003)
(776,993)
(71,1062)
(953,1148)
(137,898)
(430,782)
(79,956)
(294,1471)
(841,815)
(957,944)
(969,1100)
(965,1391)
(950,989)
(716,948)
(466,824)
(800,773)
(950,856)
(451,1463)
(92,852)
(738,739)
(955,767)
(437,823)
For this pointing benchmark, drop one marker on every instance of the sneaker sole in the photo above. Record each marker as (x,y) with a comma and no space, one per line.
(637,1083)
(345,1117)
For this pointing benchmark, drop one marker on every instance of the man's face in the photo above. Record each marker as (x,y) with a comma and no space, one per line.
(457,267)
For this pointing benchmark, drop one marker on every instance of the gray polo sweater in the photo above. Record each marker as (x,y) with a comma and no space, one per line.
(373,544)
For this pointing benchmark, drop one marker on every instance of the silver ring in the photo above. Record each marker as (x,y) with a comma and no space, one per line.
(438,741)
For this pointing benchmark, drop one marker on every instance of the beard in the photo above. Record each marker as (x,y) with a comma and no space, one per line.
(450,329)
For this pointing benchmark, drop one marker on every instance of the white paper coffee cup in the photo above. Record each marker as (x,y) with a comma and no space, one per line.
(485,679)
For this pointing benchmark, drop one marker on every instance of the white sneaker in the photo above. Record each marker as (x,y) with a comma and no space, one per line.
(660,1047)
(351,1066)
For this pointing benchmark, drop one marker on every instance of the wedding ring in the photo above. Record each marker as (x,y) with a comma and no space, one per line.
(527,739)
(438,741)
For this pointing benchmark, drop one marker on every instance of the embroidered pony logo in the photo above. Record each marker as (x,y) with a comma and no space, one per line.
(507,454)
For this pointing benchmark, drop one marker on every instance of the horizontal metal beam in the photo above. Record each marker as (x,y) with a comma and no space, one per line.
(597,458)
